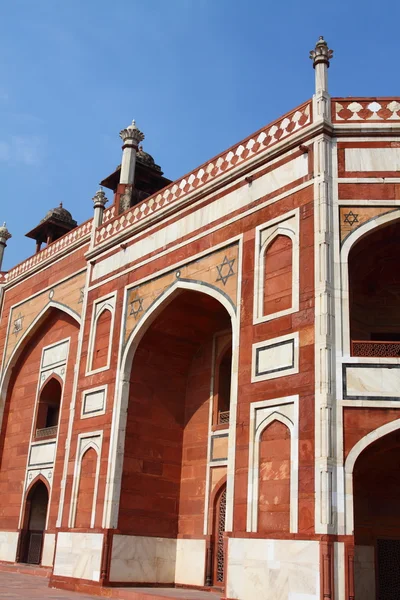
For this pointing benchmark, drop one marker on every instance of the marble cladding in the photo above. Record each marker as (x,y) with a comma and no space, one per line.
(42,454)
(93,402)
(372,159)
(78,555)
(8,545)
(141,559)
(372,381)
(235,200)
(190,562)
(55,354)
(275,357)
(48,549)
(273,569)
(364,572)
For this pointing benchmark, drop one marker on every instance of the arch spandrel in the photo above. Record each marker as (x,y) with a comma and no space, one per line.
(218,270)
(66,294)
(353,217)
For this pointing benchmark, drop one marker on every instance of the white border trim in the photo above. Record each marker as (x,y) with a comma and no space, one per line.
(273,410)
(287,225)
(100,305)
(88,392)
(283,371)
(85,441)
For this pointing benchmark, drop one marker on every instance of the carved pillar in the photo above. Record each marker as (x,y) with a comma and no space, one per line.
(99,202)
(131,136)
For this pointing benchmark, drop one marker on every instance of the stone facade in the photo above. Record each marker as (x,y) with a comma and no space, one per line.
(201,387)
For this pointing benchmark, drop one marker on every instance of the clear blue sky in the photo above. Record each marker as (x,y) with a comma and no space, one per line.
(197,75)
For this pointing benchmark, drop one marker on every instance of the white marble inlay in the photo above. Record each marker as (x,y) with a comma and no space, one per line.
(93,402)
(364,572)
(42,454)
(373,381)
(8,545)
(48,549)
(190,562)
(275,357)
(55,354)
(143,559)
(372,159)
(268,183)
(78,555)
(273,569)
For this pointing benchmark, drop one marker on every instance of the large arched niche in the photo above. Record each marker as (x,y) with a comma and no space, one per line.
(376,500)
(20,386)
(374,291)
(163,483)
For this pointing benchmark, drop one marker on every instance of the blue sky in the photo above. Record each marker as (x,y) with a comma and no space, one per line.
(197,75)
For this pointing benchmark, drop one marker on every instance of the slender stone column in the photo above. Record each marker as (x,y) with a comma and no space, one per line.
(321,56)
(131,136)
(4,237)
(324,298)
(99,202)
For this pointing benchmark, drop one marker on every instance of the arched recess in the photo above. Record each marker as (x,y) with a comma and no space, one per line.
(118,433)
(354,453)
(101,339)
(278,274)
(222,386)
(277,417)
(34,522)
(86,489)
(218,541)
(361,232)
(280,232)
(22,342)
(48,407)
(85,498)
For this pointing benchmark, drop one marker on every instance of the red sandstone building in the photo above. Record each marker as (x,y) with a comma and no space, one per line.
(200,386)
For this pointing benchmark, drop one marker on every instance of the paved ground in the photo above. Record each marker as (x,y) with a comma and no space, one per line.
(21,586)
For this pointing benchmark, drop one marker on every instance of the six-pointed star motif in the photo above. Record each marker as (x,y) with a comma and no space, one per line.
(225,270)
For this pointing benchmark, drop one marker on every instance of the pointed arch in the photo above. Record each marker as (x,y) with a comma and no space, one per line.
(275,417)
(117,441)
(351,459)
(348,244)
(21,344)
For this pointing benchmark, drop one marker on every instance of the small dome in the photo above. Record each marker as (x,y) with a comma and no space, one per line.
(147,159)
(60,213)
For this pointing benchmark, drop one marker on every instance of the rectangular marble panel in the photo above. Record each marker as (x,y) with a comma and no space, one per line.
(42,454)
(275,357)
(55,354)
(78,555)
(141,559)
(190,562)
(8,545)
(273,569)
(268,183)
(93,402)
(372,159)
(371,381)
(48,549)
(364,572)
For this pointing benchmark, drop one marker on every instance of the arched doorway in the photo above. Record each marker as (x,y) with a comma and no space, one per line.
(169,420)
(374,293)
(34,524)
(376,492)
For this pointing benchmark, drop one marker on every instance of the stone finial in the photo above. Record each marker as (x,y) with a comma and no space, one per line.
(4,234)
(100,199)
(132,133)
(321,53)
